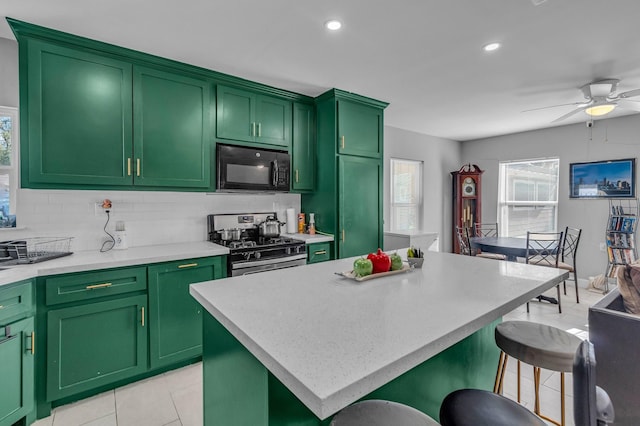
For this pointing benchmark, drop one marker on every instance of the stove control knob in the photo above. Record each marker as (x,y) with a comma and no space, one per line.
(288,250)
(257,255)
(297,249)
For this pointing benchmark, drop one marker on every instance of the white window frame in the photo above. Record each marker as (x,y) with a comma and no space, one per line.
(12,170)
(504,204)
(417,206)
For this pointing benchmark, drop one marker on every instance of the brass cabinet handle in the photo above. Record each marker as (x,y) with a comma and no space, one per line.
(343,235)
(1,307)
(320,252)
(259,129)
(253,129)
(103,285)
(137,167)
(187,265)
(296,175)
(128,166)
(33,343)
(142,311)
(342,139)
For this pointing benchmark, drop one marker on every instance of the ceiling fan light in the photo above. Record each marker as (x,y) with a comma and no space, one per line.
(598,110)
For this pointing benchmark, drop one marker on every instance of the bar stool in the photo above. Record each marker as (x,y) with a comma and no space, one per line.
(376,412)
(541,346)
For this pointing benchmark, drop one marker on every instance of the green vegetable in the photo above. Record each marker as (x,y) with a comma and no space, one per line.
(362,267)
(410,252)
(396,262)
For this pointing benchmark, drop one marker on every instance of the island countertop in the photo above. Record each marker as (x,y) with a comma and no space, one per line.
(332,340)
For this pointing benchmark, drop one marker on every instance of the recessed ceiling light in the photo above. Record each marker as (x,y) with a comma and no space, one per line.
(333,25)
(491,47)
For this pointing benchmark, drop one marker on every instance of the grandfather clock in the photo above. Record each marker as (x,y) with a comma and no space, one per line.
(467,205)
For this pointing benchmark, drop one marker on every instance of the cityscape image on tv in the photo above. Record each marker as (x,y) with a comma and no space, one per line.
(604,179)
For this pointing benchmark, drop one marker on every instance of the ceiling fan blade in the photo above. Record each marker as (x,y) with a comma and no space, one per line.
(578,104)
(569,114)
(629,104)
(629,94)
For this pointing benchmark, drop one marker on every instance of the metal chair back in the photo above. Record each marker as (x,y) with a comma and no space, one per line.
(463,240)
(570,245)
(486,230)
(591,404)
(543,248)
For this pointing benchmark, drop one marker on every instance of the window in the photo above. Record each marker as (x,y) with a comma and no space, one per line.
(528,197)
(8,178)
(406,195)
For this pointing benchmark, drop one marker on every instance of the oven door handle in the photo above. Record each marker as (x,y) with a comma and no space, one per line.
(268,261)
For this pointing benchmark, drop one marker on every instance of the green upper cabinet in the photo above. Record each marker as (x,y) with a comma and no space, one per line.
(247,116)
(175,318)
(360,129)
(95,120)
(303,148)
(78,109)
(359,205)
(171,130)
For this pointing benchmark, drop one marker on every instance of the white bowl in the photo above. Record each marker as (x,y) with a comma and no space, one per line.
(415,262)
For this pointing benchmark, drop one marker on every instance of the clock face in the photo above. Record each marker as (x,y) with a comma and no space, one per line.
(468,187)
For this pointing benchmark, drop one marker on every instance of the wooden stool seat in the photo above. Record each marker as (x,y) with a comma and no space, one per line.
(541,346)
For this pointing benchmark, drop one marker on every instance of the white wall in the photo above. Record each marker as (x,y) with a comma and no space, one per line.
(608,139)
(440,157)
(8,73)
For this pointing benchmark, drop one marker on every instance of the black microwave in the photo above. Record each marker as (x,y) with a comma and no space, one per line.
(241,168)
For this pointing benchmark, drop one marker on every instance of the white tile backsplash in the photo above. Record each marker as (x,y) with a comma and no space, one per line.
(150,217)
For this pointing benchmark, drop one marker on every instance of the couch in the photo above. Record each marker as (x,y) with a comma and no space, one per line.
(615,335)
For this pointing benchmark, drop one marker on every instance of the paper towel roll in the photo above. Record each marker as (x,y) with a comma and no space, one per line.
(292,223)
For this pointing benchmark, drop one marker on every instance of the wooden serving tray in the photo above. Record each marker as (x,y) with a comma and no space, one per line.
(351,275)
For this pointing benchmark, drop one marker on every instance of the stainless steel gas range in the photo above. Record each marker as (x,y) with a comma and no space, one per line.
(250,252)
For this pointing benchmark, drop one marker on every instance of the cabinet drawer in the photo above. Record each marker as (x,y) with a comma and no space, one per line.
(318,252)
(91,285)
(16,301)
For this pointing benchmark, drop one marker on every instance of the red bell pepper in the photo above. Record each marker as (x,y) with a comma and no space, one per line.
(381,261)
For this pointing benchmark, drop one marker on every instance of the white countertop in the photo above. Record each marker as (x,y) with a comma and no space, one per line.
(411,233)
(332,340)
(90,260)
(310,239)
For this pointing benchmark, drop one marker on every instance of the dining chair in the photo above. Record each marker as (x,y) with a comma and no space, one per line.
(568,257)
(463,240)
(488,230)
(473,407)
(543,249)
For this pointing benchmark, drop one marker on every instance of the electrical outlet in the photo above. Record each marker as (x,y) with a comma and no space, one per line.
(603,247)
(100,207)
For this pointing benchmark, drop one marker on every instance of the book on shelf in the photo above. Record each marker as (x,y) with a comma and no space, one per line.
(627,224)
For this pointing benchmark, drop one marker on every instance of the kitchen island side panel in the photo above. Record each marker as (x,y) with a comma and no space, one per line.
(239,390)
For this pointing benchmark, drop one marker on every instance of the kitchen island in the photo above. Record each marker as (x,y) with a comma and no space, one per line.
(297,345)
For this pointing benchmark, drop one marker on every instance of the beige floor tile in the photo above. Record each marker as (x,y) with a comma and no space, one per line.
(85,411)
(47,421)
(184,377)
(188,402)
(174,423)
(109,420)
(145,403)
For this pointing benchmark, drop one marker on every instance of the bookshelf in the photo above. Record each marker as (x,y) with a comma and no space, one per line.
(621,235)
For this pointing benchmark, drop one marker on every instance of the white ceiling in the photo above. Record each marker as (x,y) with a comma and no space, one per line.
(422,56)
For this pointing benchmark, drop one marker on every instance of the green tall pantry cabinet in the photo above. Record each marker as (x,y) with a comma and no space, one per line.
(347,201)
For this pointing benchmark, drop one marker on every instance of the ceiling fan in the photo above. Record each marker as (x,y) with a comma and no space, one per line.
(601,99)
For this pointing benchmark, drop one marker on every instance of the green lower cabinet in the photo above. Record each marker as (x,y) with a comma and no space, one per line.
(95,344)
(16,371)
(318,252)
(175,322)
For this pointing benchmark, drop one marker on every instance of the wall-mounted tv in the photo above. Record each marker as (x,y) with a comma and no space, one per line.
(603,179)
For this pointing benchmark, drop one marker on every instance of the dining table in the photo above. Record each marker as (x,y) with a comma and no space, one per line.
(511,247)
